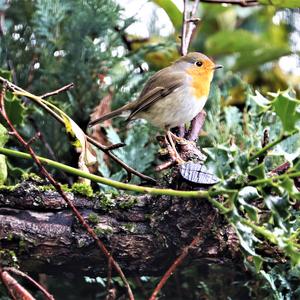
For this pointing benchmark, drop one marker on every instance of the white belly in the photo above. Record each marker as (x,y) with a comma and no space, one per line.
(172,110)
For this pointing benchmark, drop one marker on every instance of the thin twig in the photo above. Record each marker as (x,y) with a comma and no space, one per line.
(14,289)
(198,239)
(58,91)
(105,149)
(58,187)
(31,280)
(262,151)
(243,3)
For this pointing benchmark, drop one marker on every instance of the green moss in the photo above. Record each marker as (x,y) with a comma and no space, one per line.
(93,218)
(82,189)
(131,227)
(125,204)
(107,201)
(8,188)
(103,229)
(32,176)
(8,258)
(47,188)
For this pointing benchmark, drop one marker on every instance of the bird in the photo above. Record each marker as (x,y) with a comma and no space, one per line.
(172,96)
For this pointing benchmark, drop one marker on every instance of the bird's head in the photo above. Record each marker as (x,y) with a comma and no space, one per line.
(197,64)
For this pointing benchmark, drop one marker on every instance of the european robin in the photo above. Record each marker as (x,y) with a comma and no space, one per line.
(173,96)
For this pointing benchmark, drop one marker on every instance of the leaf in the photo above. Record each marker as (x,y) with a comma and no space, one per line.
(3,135)
(263,54)
(248,241)
(3,166)
(15,109)
(172,11)
(86,157)
(287,109)
(227,42)
(252,49)
(260,100)
(258,171)
(3,169)
(246,195)
(289,186)
(279,206)
(281,3)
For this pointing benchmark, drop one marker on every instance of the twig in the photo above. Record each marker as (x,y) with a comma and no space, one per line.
(271,145)
(243,3)
(179,260)
(14,289)
(265,141)
(113,183)
(105,149)
(189,24)
(57,186)
(31,280)
(58,91)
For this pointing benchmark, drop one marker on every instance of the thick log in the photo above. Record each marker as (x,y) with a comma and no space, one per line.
(143,233)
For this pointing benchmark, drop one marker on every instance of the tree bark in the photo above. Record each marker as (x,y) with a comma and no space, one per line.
(144,233)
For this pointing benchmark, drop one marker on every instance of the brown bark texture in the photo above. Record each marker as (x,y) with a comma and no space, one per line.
(144,233)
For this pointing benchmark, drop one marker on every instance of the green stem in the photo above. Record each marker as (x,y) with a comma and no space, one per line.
(270,145)
(261,230)
(113,183)
(274,178)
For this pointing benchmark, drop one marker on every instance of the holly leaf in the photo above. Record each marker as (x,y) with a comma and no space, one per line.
(14,109)
(288,110)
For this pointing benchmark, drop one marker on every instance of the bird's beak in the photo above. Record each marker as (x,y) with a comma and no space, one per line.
(217,67)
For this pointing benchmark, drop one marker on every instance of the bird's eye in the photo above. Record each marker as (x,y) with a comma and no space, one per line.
(198,63)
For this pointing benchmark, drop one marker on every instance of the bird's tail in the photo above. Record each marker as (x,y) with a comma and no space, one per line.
(118,112)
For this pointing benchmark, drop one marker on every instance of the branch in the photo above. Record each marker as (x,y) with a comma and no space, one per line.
(58,91)
(14,289)
(243,3)
(189,24)
(105,149)
(58,187)
(145,233)
(31,280)
(113,183)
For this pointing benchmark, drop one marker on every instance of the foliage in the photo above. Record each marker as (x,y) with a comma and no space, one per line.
(51,43)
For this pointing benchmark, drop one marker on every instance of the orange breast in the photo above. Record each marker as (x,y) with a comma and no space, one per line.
(200,82)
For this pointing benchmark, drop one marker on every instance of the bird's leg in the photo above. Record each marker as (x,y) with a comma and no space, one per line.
(174,154)
(180,140)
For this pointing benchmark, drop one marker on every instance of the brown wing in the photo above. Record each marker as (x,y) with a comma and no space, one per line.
(160,85)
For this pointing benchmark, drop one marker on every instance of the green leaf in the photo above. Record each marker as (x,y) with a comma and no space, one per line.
(227,42)
(258,171)
(172,11)
(263,54)
(260,100)
(289,186)
(15,109)
(281,3)
(246,195)
(287,109)
(3,169)
(279,206)
(3,135)
(3,166)
(252,49)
